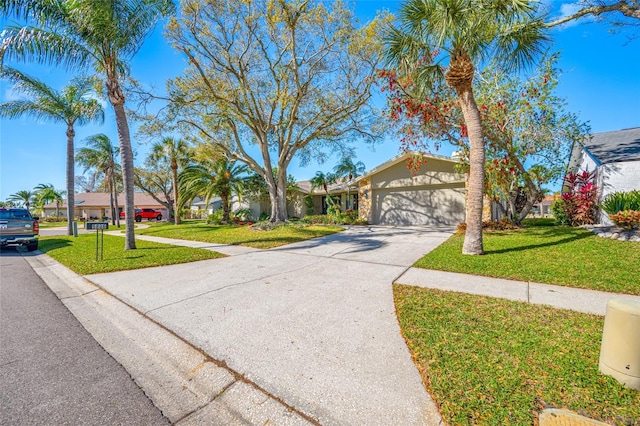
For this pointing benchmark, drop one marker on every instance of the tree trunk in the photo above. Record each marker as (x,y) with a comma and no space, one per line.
(225,207)
(277,196)
(71,202)
(475,191)
(126,154)
(176,204)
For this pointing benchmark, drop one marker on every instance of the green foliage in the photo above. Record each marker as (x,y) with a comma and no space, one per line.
(619,201)
(627,219)
(215,218)
(572,257)
(349,217)
(489,361)
(242,214)
(559,212)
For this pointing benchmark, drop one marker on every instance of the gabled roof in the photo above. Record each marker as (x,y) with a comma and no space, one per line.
(95,199)
(403,157)
(614,147)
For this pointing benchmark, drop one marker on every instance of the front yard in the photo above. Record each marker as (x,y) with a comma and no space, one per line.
(238,235)
(79,254)
(494,361)
(572,257)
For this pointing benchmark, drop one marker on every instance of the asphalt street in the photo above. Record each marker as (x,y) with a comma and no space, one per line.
(51,370)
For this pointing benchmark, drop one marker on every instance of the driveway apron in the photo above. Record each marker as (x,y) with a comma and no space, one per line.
(313,323)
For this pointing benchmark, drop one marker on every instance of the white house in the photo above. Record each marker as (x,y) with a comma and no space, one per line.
(615,158)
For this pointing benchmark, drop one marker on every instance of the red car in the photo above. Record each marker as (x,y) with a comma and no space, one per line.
(145,214)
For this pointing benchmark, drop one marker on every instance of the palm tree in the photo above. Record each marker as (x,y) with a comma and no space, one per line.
(100,155)
(46,193)
(220,177)
(22,198)
(176,153)
(349,170)
(444,41)
(98,34)
(323,180)
(73,106)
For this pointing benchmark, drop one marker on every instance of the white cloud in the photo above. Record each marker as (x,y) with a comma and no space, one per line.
(568,9)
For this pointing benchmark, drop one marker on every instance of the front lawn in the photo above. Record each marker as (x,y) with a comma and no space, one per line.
(496,362)
(572,257)
(238,235)
(79,254)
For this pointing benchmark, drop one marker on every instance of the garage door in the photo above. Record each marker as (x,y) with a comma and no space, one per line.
(396,206)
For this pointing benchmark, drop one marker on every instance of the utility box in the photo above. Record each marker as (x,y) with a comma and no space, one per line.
(620,350)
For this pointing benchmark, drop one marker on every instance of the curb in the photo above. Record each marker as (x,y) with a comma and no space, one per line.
(184,383)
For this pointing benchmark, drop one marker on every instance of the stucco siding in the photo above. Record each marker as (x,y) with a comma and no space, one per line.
(434,172)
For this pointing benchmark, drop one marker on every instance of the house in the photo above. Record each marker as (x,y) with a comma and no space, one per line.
(95,205)
(615,158)
(391,194)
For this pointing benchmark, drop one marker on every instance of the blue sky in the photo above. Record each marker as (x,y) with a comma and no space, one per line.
(600,81)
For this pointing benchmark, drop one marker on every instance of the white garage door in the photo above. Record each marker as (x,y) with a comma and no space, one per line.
(418,206)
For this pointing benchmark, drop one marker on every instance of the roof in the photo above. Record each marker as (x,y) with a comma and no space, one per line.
(305,187)
(402,157)
(94,199)
(614,147)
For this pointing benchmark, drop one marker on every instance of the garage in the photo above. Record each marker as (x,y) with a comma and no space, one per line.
(392,194)
(419,206)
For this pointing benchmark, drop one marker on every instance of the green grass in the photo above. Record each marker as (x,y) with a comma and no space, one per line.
(238,235)
(52,224)
(572,257)
(79,254)
(495,362)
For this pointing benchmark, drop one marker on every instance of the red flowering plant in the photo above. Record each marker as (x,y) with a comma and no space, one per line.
(580,198)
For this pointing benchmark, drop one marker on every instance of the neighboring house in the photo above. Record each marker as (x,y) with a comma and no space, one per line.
(543,208)
(95,205)
(199,205)
(615,158)
(391,194)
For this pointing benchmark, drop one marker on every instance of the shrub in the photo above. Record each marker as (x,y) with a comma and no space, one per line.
(241,215)
(627,219)
(621,201)
(580,198)
(559,213)
(215,218)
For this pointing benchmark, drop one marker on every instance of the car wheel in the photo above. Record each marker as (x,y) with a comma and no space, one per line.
(159,217)
(33,246)
(138,218)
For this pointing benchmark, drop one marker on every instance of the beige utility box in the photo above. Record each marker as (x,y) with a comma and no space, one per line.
(620,350)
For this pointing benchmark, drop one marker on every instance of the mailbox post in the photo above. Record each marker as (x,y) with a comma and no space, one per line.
(99,227)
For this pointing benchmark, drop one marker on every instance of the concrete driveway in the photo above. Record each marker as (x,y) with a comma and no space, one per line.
(312,323)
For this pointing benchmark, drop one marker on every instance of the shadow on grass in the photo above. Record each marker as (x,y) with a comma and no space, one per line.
(570,235)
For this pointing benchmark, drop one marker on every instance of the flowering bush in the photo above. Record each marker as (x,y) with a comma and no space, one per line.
(579,200)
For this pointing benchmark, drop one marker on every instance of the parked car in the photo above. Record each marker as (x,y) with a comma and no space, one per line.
(18,227)
(144,214)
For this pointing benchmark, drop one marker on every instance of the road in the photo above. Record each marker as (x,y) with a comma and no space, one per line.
(51,370)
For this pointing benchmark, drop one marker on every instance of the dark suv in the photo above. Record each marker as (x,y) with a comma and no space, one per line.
(144,214)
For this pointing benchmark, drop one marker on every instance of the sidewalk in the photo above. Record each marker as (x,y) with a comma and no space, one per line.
(576,299)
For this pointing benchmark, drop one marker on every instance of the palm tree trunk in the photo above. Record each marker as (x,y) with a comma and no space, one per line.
(176,204)
(475,191)
(71,202)
(225,207)
(126,154)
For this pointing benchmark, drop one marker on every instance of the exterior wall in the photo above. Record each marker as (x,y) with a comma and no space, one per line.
(364,199)
(296,206)
(434,172)
(611,177)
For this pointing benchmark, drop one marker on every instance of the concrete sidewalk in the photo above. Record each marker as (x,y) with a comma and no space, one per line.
(576,299)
